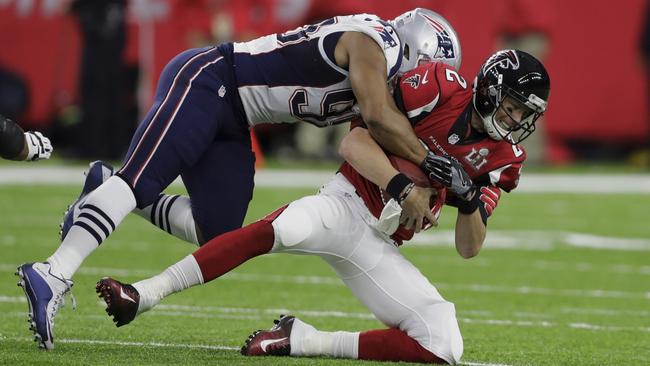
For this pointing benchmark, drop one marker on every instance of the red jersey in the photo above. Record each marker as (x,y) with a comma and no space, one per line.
(438,103)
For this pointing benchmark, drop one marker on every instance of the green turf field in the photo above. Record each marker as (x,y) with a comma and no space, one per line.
(542,295)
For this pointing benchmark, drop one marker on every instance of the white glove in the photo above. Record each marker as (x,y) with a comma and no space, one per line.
(39,146)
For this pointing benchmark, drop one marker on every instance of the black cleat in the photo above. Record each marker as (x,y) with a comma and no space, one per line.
(122,300)
(272,342)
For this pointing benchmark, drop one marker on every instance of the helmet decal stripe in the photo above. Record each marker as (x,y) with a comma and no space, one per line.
(433,23)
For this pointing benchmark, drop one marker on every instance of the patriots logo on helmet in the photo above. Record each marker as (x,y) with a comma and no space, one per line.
(413,81)
(504,59)
(445,44)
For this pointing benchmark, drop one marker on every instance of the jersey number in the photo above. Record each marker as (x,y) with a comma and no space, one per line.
(452,75)
(335,107)
(302,33)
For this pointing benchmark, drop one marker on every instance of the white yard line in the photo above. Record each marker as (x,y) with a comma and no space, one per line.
(334,281)
(178,345)
(606,312)
(528,240)
(136,344)
(216,312)
(533,182)
(535,240)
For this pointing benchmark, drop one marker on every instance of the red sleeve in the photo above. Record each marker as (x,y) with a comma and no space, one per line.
(506,178)
(426,87)
(511,161)
(357,122)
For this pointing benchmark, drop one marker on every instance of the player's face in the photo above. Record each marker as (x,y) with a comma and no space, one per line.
(510,113)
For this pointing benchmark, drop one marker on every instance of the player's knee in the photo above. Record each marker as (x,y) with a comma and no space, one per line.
(293,226)
(441,335)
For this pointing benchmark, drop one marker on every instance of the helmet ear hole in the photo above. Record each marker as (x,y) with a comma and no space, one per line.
(406,51)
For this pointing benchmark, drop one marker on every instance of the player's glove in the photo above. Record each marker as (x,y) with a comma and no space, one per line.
(447,171)
(39,147)
(490,197)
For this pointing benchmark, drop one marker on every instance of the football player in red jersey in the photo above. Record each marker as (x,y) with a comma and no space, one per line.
(472,138)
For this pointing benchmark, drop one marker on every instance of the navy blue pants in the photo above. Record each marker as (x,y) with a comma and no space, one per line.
(195,129)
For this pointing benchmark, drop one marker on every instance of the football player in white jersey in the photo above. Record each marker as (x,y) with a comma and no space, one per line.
(15,144)
(350,225)
(198,128)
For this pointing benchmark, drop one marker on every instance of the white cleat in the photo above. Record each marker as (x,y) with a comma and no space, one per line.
(45,293)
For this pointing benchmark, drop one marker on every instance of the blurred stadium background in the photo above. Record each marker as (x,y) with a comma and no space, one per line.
(564,276)
(88,68)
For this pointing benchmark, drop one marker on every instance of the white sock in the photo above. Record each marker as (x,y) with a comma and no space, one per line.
(180,276)
(308,341)
(173,214)
(103,210)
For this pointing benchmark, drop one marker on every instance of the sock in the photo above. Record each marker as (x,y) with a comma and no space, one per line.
(393,345)
(216,257)
(103,210)
(227,251)
(173,214)
(177,277)
(308,341)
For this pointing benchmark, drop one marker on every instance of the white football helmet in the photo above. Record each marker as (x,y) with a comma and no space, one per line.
(426,36)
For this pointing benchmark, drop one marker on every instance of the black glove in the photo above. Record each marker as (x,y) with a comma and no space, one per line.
(447,171)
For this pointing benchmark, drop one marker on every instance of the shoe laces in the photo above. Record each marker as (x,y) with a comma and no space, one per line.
(59,298)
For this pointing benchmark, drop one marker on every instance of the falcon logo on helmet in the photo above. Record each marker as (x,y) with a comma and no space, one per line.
(504,59)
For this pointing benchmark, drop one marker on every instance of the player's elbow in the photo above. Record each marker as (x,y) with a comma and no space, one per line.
(351,142)
(468,249)
(345,147)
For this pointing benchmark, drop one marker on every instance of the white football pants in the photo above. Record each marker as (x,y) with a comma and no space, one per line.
(337,226)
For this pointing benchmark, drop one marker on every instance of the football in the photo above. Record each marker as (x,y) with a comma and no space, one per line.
(420,179)
(410,170)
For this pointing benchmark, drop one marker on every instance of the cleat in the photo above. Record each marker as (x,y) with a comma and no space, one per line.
(272,342)
(98,172)
(45,293)
(122,300)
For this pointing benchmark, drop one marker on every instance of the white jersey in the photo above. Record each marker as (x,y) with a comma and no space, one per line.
(293,76)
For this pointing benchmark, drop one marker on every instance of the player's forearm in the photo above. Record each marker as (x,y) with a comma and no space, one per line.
(393,131)
(470,234)
(12,140)
(367,67)
(23,153)
(366,157)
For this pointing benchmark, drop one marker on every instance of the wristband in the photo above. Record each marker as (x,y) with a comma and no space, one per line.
(468,207)
(398,186)
(405,192)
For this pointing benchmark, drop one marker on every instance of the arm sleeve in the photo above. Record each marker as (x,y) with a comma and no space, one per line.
(12,138)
